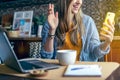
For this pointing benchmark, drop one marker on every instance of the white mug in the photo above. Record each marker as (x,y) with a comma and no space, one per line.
(66,57)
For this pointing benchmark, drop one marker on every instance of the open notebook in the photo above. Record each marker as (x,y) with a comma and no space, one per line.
(83,70)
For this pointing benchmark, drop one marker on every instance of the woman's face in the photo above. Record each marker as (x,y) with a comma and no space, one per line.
(75,6)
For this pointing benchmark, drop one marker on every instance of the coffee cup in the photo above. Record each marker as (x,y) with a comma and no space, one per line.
(66,57)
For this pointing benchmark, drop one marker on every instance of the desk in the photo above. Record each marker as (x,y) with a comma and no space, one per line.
(57,74)
(22,46)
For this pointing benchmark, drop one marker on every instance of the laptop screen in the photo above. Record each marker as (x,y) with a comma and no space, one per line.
(7,54)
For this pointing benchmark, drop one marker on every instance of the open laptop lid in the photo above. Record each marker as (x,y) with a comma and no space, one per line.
(7,54)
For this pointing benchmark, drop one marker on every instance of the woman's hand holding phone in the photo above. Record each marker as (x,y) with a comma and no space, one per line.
(107,31)
(109,16)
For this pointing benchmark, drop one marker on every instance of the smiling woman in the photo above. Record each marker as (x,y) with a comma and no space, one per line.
(72,29)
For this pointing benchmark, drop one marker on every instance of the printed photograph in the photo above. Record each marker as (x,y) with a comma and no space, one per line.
(23,22)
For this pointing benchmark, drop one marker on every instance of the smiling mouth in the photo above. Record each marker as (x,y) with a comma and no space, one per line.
(75,7)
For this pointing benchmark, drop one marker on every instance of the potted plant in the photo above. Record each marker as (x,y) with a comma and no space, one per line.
(38,20)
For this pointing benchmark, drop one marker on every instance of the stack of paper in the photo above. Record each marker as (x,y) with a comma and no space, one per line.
(83,70)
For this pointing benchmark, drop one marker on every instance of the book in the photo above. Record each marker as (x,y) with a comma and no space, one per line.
(83,70)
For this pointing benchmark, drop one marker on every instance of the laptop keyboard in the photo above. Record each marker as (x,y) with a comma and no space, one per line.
(37,64)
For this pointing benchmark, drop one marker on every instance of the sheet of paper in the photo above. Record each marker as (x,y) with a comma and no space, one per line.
(83,70)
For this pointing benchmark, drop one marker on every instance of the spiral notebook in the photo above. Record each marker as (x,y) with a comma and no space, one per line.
(83,70)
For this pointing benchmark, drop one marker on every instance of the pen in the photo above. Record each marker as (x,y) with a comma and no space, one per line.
(77,68)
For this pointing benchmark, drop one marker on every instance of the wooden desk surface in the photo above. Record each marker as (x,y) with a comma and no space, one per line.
(107,69)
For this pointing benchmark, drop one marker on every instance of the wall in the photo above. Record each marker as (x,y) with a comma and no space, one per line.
(38,6)
(98,9)
(17,5)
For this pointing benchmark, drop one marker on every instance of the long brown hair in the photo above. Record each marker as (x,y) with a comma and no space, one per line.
(64,24)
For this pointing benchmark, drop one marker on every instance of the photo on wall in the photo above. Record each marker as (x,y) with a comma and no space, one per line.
(23,22)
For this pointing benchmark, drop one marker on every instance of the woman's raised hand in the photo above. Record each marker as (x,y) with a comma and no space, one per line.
(108,37)
(52,18)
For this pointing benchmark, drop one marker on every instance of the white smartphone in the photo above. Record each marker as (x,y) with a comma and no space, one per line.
(110,16)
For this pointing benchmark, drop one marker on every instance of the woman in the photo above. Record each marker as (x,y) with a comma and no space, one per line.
(74,30)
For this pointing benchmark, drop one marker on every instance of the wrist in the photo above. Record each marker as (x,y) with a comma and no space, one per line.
(106,43)
(51,36)
(104,46)
(51,32)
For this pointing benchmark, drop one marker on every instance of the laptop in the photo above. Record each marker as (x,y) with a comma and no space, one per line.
(9,58)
